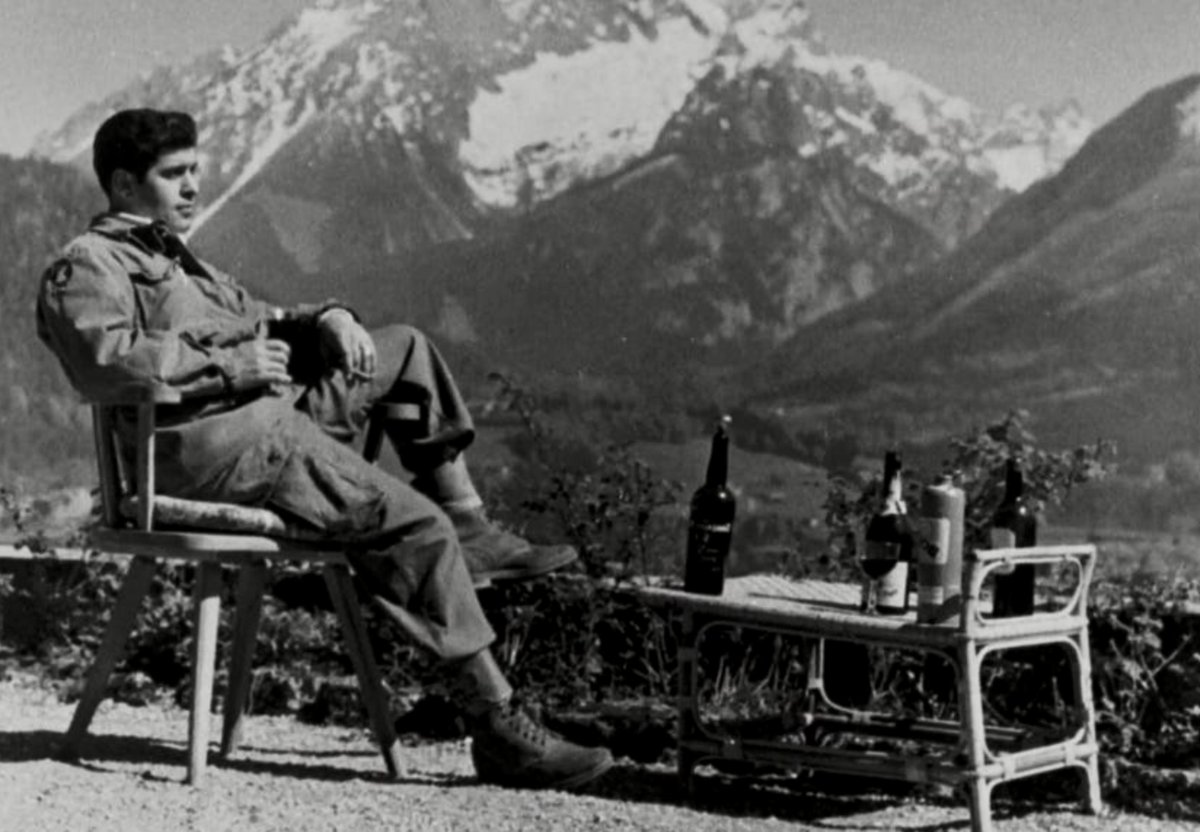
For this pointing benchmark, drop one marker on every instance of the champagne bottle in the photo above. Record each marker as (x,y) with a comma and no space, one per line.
(710,522)
(1014,525)
(888,545)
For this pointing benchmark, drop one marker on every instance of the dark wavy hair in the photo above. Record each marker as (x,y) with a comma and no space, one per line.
(133,140)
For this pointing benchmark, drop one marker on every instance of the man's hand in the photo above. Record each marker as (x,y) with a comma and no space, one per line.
(346,345)
(259,363)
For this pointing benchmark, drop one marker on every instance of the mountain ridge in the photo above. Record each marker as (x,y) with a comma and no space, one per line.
(1075,299)
(837,226)
(457,120)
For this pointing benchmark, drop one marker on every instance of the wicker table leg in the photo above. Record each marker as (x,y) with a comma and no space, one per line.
(974,736)
(1081,661)
(687,702)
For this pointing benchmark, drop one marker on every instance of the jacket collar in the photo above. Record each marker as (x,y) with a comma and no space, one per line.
(142,232)
(115,224)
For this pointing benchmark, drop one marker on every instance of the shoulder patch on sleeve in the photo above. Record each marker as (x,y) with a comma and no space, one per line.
(59,273)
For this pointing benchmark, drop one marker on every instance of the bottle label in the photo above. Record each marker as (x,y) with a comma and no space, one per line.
(709,542)
(937,540)
(881,550)
(891,591)
(1002,538)
(708,546)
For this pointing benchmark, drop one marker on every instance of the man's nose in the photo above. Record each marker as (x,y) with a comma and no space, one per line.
(191,183)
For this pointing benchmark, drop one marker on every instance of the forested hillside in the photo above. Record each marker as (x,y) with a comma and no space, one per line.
(46,433)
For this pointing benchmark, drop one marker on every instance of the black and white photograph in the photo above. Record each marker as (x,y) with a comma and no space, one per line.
(571,415)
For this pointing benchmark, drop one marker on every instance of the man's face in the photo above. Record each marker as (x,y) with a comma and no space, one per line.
(170,191)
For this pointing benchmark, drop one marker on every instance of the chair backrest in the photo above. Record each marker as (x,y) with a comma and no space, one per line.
(118,484)
(108,465)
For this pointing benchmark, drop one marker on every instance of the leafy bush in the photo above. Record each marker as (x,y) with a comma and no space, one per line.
(1146,670)
(977,465)
(601,501)
(49,603)
(576,640)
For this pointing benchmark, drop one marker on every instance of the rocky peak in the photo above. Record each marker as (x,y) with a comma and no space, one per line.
(363,129)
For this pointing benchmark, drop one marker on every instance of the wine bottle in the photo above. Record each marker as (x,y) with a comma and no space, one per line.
(1014,525)
(710,521)
(887,546)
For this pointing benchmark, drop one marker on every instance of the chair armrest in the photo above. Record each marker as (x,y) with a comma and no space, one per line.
(135,394)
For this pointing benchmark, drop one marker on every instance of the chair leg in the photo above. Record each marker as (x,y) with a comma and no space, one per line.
(133,590)
(204,658)
(251,583)
(345,601)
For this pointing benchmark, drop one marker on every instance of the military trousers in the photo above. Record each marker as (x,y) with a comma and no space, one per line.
(302,463)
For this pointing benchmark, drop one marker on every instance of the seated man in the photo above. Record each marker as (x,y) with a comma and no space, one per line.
(272,399)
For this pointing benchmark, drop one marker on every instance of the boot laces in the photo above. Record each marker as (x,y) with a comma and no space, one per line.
(526,727)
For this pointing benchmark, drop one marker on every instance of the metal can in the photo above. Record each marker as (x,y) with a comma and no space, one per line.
(939,557)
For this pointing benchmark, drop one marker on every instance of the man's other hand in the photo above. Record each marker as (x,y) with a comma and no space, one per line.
(346,345)
(259,363)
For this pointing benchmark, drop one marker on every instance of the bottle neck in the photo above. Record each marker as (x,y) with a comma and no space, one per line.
(893,488)
(718,460)
(893,500)
(1014,483)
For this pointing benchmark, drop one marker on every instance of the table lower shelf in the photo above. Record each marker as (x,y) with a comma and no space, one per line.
(941,769)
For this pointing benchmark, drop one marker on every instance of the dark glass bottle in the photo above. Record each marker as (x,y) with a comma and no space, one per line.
(710,522)
(1014,525)
(887,547)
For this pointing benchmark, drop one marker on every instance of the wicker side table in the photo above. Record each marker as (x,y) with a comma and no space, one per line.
(973,757)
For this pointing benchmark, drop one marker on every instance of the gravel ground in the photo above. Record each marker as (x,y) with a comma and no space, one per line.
(297,777)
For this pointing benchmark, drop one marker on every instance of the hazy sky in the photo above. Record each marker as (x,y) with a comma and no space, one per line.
(1104,53)
(56,55)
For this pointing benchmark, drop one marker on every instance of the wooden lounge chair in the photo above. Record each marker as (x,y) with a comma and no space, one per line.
(150,527)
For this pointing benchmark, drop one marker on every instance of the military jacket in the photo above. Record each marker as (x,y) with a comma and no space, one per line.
(118,314)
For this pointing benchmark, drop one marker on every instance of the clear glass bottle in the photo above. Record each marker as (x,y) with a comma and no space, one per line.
(887,548)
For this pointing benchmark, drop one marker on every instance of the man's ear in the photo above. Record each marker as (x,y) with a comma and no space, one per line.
(122,183)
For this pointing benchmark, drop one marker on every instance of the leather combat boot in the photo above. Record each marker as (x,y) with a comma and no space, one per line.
(511,748)
(493,554)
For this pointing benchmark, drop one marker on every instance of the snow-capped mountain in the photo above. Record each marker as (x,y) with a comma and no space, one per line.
(1028,145)
(1076,301)
(700,171)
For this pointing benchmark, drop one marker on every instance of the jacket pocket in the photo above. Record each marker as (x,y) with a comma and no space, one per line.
(246,477)
(162,296)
